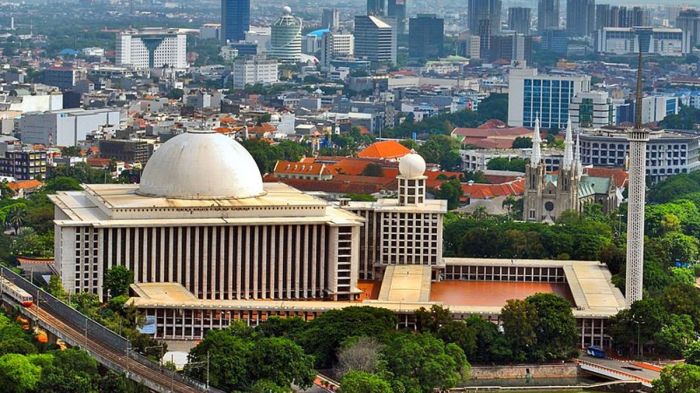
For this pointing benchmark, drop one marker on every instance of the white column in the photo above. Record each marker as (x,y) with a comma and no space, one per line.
(273,262)
(222,262)
(188,261)
(171,251)
(239,257)
(263,263)
(635,216)
(314,261)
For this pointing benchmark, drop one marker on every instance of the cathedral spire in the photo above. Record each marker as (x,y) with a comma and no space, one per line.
(577,164)
(568,162)
(536,156)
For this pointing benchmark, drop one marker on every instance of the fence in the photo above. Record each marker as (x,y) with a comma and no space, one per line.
(93,330)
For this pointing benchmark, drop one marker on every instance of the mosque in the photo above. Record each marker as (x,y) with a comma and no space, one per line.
(209,243)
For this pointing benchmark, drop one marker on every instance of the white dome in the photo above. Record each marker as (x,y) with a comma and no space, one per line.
(412,166)
(287,10)
(201,165)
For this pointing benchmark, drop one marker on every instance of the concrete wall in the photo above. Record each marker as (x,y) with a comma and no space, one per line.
(565,370)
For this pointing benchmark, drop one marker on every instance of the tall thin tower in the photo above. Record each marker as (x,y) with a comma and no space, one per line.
(638,138)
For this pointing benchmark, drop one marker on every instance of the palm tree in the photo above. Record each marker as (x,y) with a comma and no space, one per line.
(509,204)
(16,217)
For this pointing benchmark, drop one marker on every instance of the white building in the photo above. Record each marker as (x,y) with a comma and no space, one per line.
(260,36)
(210,31)
(548,96)
(662,41)
(65,127)
(150,48)
(253,70)
(591,109)
(285,44)
(334,45)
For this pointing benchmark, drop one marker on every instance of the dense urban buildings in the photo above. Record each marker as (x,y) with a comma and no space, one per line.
(127,150)
(22,164)
(689,21)
(591,109)
(151,48)
(653,40)
(336,44)
(547,15)
(235,20)
(426,34)
(580,17)
(285,44)
(479,11)
(547,96)
(375,40)
(620,16)
(254,70)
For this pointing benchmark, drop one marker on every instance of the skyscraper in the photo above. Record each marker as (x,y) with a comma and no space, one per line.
(425,36)
(235,19)
(547,15)
(602,16)
(285,43)
(479,10)
(580,17)
(330,18)
(638,138)
(519,19)
(377,7)
(375,39)
(397,9)
(689,21)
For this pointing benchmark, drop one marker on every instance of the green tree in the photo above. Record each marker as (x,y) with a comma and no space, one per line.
(18,374)
(422,363)
(442,150)
(16,217)
(117,280)
(451,191)
(363,382)
(325,333)
(433,319)
(522,142)
(61,183)
(282,362)
(72,371)
(555,328)
(409,143)
(519,319)
(458,332)
(71,151)
(373,170)
(692,353)
(506,164)
(675,336)
(679,378)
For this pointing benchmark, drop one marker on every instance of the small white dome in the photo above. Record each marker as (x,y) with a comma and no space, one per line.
(412,166)
(287,10)
(201,165)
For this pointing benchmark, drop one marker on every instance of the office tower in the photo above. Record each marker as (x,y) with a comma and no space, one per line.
(235,19)
(252,70)
(152,47)
(663,41)
(330,19)
(689,21)
(511,47)
(469,45)
(335,44)
(426,34)
(548,95)
(555,40)
(485,33)
(580,17)
(602,16)
(285,44)
(377,7)
(397,9)
(547,15)
(375,39)
(479,10)
(593,109)
(519,20)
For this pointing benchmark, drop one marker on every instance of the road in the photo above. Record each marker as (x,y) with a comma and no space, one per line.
(120,359)
(623,368)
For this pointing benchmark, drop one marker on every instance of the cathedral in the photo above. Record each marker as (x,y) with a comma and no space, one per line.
(548,195)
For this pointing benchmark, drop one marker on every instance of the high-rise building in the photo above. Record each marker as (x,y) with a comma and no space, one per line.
(519,19)
(689,21)
(479,10)
(555,40)
(593,109)
(662,41)
(620,16)
(469,45)
(285,43)
(152,47)
(336,44)
(397,9)
(485,32)
(425,36)
(330,19)
(547,15)
(377,7)
(580,17)
(547,96)
(602,16)
(235,19)
(511,47)
(254,70)
(375,39)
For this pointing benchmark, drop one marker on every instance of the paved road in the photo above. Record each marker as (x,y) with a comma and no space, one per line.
(120,359)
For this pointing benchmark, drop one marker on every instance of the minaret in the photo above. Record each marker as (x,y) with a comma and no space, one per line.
(568,160)
(638,138)
(536,156)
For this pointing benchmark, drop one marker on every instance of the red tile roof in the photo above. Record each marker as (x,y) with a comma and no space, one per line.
(488,191)
(491,135)
(24,184)
(618,175)
(300,168)
(387,150)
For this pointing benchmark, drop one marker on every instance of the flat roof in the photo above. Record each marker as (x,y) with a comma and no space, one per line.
(589,289)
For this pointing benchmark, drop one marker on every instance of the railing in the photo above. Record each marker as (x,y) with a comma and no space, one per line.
(93,330)
(615,373)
